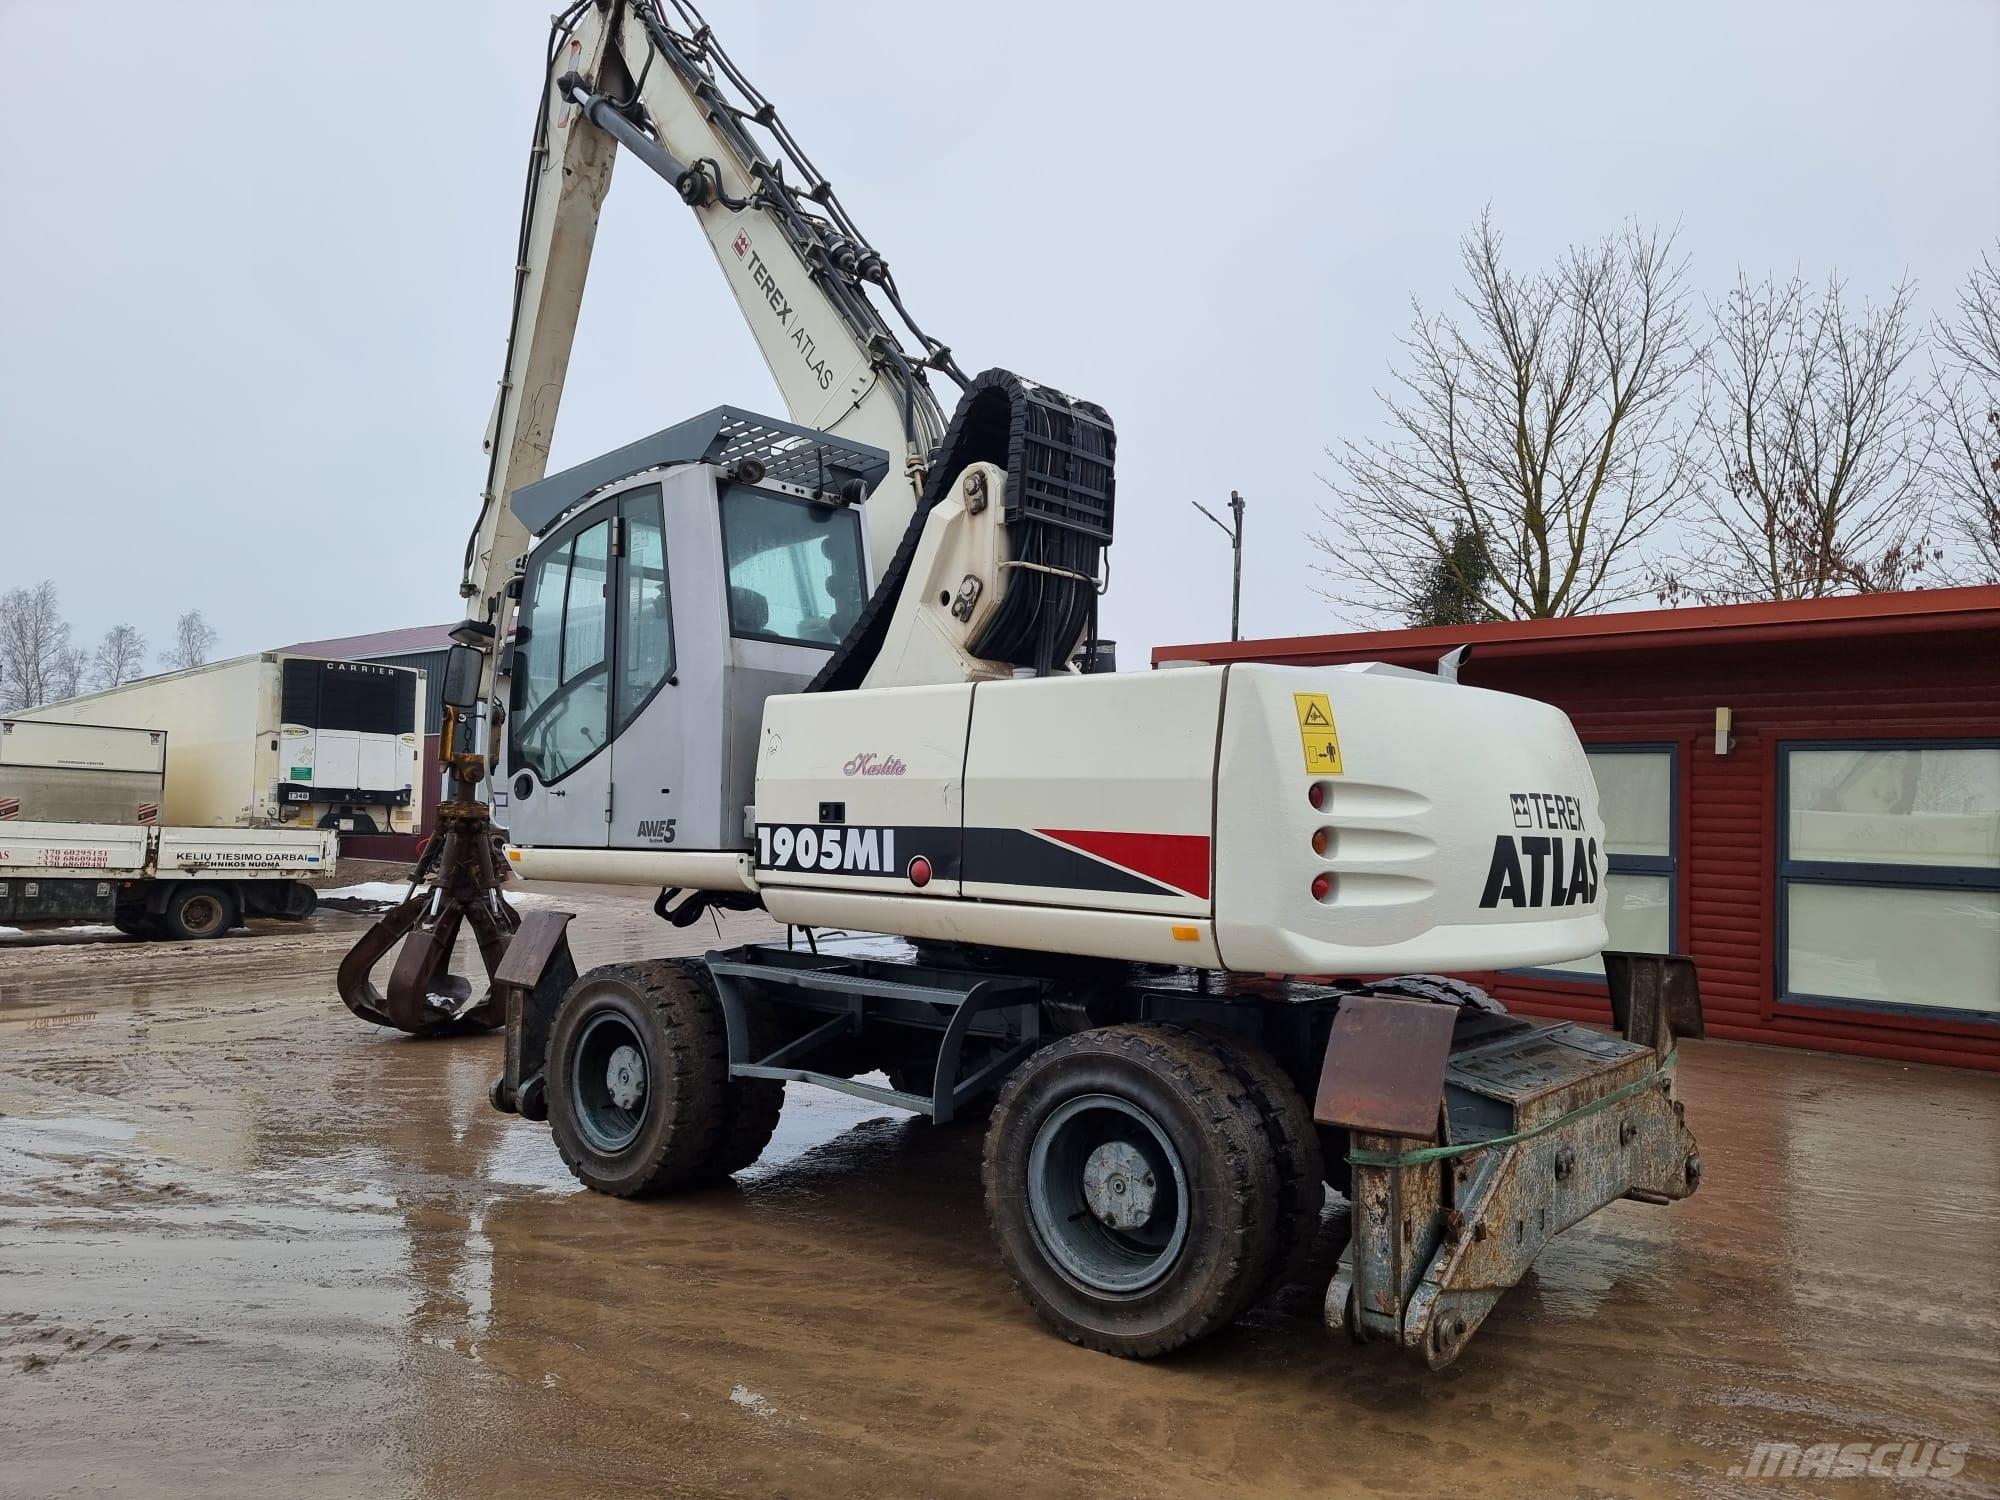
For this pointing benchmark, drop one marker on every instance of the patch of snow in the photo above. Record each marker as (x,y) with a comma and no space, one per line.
(369,890)
(394,892)
(88,929)
(750,1401)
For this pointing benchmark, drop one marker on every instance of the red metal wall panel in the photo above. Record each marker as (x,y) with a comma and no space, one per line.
(1923,679)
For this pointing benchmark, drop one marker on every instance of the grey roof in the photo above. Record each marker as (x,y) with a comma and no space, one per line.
(405,642)
(796,455)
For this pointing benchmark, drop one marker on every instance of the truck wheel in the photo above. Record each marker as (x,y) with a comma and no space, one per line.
(638,1070)
(1131,1188)
(1294,1144)
(197,911)
(750,1106)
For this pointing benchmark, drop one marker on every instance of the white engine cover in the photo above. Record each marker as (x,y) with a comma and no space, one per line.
(1169,817)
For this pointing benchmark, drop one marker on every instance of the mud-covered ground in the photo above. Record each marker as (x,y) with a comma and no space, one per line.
(249,1246)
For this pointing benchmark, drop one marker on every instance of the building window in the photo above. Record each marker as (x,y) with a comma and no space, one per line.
(1635,797)
(1889,875)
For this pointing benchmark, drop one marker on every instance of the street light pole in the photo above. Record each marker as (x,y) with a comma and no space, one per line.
(1235,534)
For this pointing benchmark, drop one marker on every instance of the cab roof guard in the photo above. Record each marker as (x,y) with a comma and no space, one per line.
(725,436)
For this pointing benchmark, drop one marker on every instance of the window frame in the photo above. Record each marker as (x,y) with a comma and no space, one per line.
(654,494)
(1868,874)
(853,518)
(1667,865)
(613,511)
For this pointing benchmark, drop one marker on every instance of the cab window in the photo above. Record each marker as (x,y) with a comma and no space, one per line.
(794,567)
(563,710)
(645,607)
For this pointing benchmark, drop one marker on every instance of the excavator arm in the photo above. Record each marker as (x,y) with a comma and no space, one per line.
(651,78)
(987,565)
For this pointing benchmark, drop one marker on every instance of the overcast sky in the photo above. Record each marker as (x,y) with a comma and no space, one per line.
(255,267)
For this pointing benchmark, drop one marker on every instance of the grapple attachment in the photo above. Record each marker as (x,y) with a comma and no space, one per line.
(456,884)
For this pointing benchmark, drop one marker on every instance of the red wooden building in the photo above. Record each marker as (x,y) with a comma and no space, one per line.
(1831,859)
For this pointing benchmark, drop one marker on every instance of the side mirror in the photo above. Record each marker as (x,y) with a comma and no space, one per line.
(462,669)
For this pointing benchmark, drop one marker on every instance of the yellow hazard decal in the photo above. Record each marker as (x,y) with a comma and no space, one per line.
(1317,736)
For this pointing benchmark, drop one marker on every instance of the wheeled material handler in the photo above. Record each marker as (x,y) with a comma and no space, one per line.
(821,666)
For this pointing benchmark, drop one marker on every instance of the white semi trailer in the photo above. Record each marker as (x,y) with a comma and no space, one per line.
(81,840)
(272,740)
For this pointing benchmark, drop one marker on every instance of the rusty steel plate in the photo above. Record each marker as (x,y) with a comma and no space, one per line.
(528,950)
(1655,997)
(1384,1069)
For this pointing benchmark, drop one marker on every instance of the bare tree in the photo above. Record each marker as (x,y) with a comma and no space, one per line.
(193,640)
(66,681)
(1541,423)
(1816,439)
(34,647)
(1966,406)
(120,657)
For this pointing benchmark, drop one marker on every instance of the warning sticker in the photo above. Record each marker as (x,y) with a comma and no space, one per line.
(1317,736)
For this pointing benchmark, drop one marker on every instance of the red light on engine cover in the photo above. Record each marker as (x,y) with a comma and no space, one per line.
(1322,886)
(920,871)
(1316,795)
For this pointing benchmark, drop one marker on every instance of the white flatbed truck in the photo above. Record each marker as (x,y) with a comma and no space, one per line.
(80,841)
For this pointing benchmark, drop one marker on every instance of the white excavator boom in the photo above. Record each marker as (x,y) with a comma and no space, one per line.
(619,72)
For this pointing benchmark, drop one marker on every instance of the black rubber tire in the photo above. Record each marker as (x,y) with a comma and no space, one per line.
(197,912)
(138,924)
(750,1106)
(1295,1150)
(1180,1078)
(678,1024)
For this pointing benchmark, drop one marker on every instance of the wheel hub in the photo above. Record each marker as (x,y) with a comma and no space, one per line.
(1108,1195)
(1118,1187)
(625,1077)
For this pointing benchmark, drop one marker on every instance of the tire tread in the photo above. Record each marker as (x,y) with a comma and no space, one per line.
(1193,1065)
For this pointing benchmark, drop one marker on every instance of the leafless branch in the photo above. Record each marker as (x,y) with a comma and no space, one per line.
(1965,403)
(1539,421)
(1816,440)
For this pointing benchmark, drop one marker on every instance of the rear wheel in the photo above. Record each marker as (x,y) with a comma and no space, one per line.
(1131,1187)
(1294,1144)
(197,911)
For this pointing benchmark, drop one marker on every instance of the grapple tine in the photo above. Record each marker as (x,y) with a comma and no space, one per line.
(357,989)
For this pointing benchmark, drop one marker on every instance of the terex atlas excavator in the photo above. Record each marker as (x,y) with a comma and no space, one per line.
(823,666)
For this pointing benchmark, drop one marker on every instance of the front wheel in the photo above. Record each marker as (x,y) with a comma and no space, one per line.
(639,1093)
(1131,1188)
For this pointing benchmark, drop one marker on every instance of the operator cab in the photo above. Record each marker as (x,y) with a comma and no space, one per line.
(673,586)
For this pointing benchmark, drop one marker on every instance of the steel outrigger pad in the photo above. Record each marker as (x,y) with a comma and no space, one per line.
(1473,1146)
(424,997)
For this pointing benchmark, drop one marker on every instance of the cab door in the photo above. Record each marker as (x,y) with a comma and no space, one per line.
(648,728)
(560,718)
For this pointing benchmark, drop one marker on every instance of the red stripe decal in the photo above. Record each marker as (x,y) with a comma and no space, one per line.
(1176,859)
